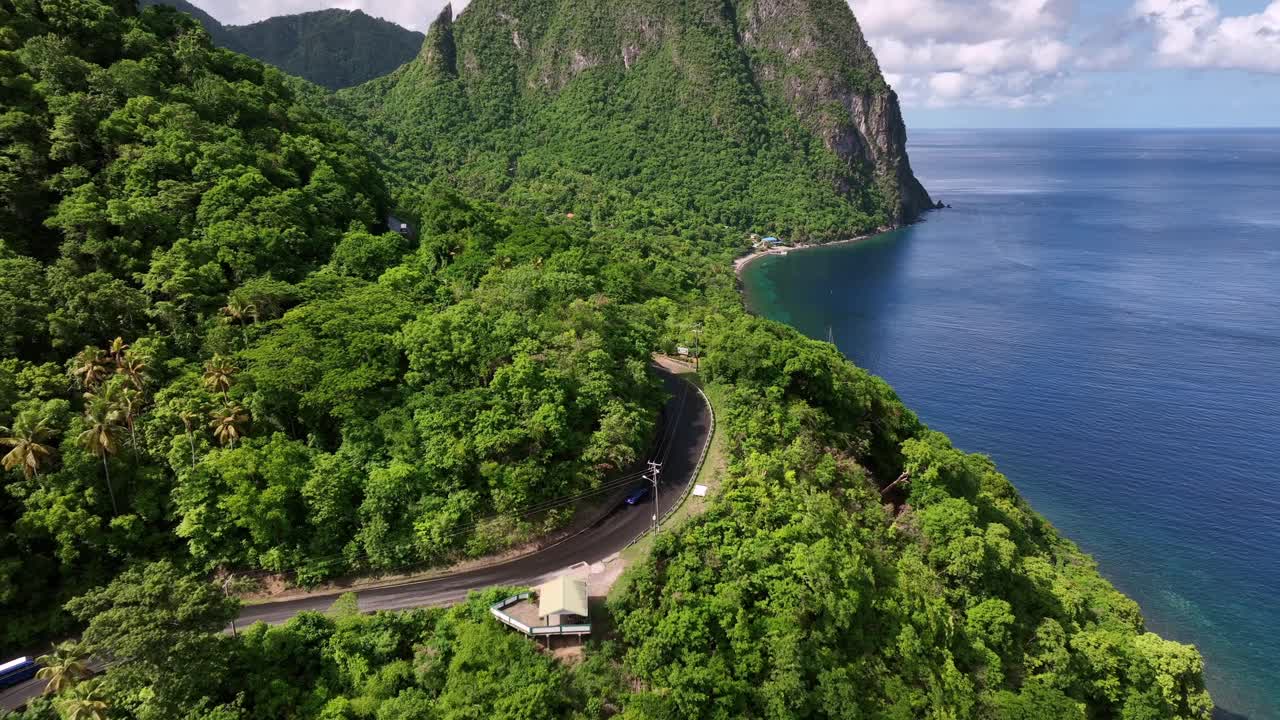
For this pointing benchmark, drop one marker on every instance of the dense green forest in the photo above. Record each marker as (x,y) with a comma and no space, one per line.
(215,349)
(151,185)
(215,358)
(415,665)
(820,587)
(331,48)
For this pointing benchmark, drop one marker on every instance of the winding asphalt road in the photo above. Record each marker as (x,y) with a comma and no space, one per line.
(686,424)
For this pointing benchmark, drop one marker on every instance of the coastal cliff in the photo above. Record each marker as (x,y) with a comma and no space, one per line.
(814,54)
(770,115)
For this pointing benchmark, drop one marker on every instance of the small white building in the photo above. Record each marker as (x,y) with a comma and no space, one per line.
(562,601)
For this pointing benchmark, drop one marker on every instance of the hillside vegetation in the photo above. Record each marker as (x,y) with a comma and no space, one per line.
(214,359)
(213,349)
(331,48)
(149,182)
(768,115)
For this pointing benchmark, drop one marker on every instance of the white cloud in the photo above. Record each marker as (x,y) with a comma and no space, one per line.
(966,21)
(1195,34)
(1104,57)
(979,58)
(408,13)
(1013,91)
(984,53)
(1001,53)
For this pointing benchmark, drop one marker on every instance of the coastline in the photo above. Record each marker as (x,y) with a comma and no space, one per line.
(1236,701)
(740,263)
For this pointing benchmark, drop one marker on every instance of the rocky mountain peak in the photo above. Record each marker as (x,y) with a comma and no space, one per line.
(440,51)
(778,92)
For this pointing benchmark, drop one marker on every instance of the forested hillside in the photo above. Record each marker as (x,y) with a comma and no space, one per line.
(215,359)
(205,352)
(332,48)
(859,566)
(150,183)
(768,115)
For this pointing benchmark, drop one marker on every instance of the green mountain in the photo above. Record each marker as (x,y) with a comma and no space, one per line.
(332,48)
(763,114)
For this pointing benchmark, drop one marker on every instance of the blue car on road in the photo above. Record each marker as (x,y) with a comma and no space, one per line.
(17,671)
(638,495)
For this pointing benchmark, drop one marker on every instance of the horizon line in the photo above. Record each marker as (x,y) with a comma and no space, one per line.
(911,127)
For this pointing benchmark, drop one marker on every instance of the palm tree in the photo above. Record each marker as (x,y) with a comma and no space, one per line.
(102,423)
(219,374)
(63,667)
(85,702)
(130,405)
(90,368)
(134,369)
(237,310)
(27,437)
(227,424)
(116,349)
(188,422)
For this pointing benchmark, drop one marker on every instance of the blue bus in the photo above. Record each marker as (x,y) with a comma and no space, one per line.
(17,671)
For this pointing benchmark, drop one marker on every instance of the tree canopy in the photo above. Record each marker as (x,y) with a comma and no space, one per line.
(815,588)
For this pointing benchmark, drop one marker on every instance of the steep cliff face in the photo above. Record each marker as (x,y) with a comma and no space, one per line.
(814,54)
(439,52)
(762,114)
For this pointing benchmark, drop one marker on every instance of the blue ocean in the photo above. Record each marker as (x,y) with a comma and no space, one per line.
(1099,311)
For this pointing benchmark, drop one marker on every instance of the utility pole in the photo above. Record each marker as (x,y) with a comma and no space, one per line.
(697,335)
(226,592)
(655,469)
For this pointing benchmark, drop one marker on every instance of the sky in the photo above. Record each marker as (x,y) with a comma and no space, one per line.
(1022,63)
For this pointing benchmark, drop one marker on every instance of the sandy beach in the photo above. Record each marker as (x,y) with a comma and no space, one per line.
(741,263)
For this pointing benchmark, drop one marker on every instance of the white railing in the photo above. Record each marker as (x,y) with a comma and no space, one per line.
(561,630)
(497,610)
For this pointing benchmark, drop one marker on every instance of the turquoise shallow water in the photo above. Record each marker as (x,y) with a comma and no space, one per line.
(1100,312)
